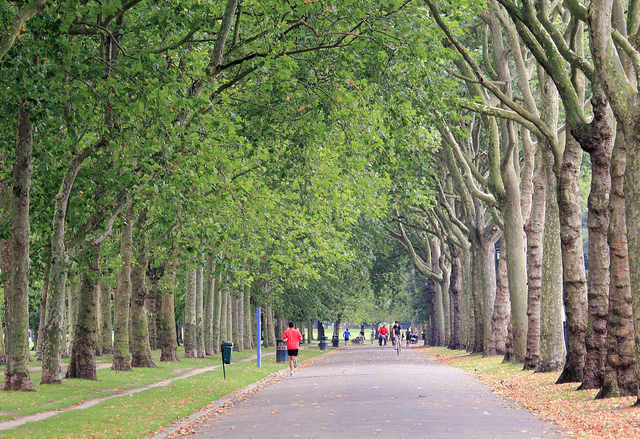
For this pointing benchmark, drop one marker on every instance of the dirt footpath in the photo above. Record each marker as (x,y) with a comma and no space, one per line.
(365,392)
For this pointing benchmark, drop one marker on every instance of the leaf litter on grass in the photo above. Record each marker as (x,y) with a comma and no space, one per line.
(578,413)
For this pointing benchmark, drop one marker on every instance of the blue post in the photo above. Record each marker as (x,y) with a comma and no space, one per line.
(258,330)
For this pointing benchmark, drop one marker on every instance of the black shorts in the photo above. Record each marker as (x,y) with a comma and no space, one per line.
(292,352)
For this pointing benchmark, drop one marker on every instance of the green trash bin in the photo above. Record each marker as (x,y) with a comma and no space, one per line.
(227,347)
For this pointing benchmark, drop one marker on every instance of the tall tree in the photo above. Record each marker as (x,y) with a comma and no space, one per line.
(16,375)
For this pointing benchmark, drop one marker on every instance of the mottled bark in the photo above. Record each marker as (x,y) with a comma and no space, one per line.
(16,374)
(574,277)
(140,343)
(3,355)
(446,298)
(476,298)
(168,319)
(466,313)
(73,299)
(154,307)
(190,335)
(621,90)
(122,301)
(552,347)
(488,248)
(241,322)
(439,300)
(455,289)
(217,312)
(534,228)
(224,313)
(248,319)
(208,306)
(82,362)
(200,311)
(43,313)
(271,332)
(235,320)
(599,146)
(106,320)
(516,260)
(501,309)
(53,335)
(620,366)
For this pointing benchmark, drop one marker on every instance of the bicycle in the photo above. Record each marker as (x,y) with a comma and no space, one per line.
(398,345)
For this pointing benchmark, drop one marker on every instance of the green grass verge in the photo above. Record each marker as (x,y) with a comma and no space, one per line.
(139,414)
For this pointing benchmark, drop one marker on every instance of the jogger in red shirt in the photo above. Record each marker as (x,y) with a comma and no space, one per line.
(293,337)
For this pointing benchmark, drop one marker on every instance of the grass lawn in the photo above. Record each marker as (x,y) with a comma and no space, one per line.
(138,414)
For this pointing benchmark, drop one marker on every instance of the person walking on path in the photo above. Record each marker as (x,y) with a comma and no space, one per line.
(293,337)
(346,335)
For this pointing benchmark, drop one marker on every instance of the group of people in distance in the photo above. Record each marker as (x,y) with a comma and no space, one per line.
(396,334)
(293,337)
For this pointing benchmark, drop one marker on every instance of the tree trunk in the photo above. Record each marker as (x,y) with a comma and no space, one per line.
(217,312)
(209,301)
(3,355)
(552,350)
(501,309)
(224,314)
(122,302)
(154,306)
(320,330)
(190,334)
(16,375)
(621,90)
(140,346)
(53,335)
(439,302)
(516,261)
(241,322)
(43,313)
(488,262)
(620,370)
(200,311)
(82,363)
(534,230)
(446,299)
(106,319)
(476,297)
(599,253)
(456,291)
(466,308)
(73,299)
(248,319)
(271,328)
(235,321)
(229,315)
(574,278)
(169,344)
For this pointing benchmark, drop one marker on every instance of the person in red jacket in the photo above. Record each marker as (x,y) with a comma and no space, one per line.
(383,333)
(293,337)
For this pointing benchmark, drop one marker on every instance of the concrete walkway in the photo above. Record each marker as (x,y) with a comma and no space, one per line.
(367,392)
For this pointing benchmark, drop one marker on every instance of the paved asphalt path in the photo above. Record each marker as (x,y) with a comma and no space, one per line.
(368,392)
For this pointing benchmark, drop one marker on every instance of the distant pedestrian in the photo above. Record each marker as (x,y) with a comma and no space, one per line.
(293,337)
(373,334)
(346,335)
